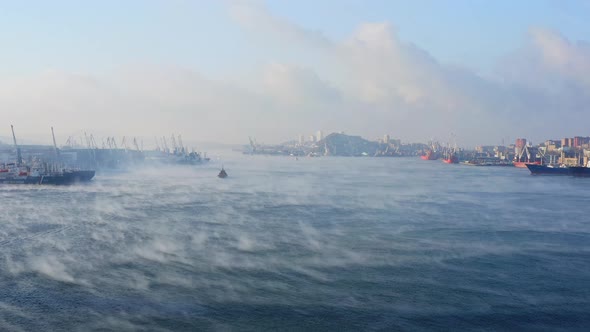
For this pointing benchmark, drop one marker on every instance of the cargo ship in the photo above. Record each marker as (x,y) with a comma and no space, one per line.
(14,174)
(548,169)
(580,171)
(39,172)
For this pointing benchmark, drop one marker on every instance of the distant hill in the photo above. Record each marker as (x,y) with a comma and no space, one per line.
(337,144)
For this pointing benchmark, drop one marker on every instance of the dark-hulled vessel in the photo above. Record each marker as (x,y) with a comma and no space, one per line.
(548,169)
(38,172)
(580,171)
(14,174)
(222,174)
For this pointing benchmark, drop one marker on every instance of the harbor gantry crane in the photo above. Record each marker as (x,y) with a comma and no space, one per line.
(55,149)
(112,143)
(19,156)
(124,143)
(136,145)
(252,144)
(174,146)
(70,142)
(157,144)
(93,142)
(180,144)
(165,144)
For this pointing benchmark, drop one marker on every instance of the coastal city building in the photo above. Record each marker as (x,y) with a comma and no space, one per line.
(568,151)
(320,135)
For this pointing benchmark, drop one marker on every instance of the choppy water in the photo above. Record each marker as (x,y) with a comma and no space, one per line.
(314,244)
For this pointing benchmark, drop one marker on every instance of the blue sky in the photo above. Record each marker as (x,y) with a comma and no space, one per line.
(285,56)
(472,32)
(93,36)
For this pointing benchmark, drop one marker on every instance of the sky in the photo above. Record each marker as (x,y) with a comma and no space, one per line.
(220,71)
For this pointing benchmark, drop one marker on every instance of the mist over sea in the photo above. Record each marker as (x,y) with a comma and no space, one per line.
(311,244)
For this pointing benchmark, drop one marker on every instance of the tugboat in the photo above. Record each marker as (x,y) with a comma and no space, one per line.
(222,174)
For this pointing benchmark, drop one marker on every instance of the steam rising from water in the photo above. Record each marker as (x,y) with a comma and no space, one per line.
(314,243)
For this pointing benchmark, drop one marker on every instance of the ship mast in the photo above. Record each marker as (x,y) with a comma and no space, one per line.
(19,157)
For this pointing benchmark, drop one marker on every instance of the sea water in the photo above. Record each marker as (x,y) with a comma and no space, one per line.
(298,244)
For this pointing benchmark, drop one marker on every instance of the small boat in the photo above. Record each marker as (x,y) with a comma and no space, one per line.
(222,174)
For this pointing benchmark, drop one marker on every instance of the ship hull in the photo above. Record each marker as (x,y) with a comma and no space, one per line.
(523,164)
(65,178)
(429,157)
(69,177)
(580,171)
(451,160)
(545,170)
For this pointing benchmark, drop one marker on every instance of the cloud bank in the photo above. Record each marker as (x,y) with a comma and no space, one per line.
(369,83)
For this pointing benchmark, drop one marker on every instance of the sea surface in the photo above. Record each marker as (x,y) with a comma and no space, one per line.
(314,244)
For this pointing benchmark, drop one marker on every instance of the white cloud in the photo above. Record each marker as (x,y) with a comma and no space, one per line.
(369,83)
(254,16)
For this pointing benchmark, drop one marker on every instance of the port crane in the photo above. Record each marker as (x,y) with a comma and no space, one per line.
(55,149)
(124,143)
(157,144)
(165,144)
(136,145)
(19,156)
(180,144)
(174,146)
(252,144)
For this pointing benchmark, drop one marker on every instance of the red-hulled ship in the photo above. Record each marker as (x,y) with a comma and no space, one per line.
(523,158)
(430,155)
(451,159)
(522,164)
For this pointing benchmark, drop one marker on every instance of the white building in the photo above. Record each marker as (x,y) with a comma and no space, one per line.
(320,135)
